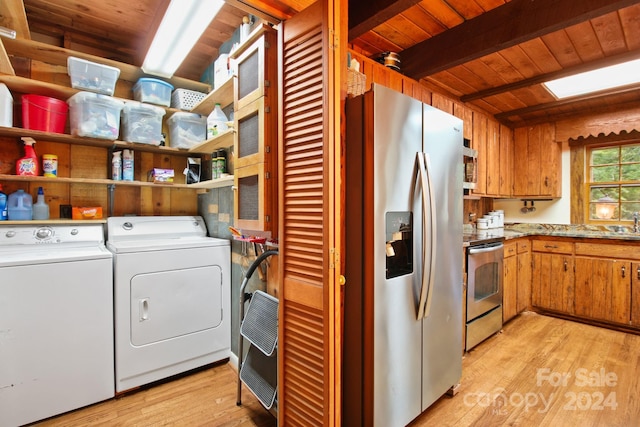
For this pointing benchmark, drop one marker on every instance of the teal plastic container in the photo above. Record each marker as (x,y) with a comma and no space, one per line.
(20,206)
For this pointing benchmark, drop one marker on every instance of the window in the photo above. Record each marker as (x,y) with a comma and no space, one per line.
(613,182)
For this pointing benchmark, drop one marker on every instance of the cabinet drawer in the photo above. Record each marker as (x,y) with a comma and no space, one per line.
(608,250)
(552,246)
(523,245)
(510,249)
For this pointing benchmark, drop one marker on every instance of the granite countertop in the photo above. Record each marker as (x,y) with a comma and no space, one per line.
(513,231)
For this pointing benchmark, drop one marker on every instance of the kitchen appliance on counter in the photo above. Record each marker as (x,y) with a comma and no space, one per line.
(484,288)
(56,320)
(403,298)
(172,297)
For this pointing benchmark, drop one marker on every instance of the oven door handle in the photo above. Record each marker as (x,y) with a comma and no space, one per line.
(493,248)
(428,203)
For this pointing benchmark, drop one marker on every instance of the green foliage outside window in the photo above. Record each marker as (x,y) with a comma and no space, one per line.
(615,173)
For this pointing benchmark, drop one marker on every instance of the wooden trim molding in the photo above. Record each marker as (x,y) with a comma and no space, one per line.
(601,124)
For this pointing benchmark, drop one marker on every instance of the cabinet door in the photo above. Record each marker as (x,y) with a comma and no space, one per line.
(552,282)
(603,289)
(524,282)
(537,166)
(256,70)
(506,162)
(255,139)
(510,287)
(635,294)
(253,207)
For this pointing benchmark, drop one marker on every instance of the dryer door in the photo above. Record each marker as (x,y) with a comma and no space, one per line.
(170,304)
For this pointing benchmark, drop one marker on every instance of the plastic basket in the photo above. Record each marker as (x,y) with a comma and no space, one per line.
(185,99)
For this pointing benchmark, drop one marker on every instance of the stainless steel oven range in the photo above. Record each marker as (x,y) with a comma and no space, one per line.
(484,290)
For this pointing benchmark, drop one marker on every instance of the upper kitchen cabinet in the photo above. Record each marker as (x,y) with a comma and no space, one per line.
(495,156)
(536,162)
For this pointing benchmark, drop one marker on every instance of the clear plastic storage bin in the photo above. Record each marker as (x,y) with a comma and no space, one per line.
(153,91)
(142,123)
(186,130)
(92,76)
(94,115)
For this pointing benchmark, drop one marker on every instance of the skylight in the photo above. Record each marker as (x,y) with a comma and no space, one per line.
(610,77)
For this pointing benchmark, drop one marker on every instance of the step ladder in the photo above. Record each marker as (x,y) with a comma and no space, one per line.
(259,326)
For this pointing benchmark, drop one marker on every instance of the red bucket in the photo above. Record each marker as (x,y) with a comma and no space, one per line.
(44,113)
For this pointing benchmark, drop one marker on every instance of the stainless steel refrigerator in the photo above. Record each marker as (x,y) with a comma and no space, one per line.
(403,292)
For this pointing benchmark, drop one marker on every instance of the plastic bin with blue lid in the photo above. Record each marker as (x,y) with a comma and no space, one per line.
(94,115)
(152,91)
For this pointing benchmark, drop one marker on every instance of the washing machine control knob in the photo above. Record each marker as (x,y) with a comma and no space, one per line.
(44,233)
(74,232)
(10,234)
(127,226)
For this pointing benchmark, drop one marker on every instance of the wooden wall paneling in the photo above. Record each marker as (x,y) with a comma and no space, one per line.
(493,170)
(479,142)
(396,80)
(183,201)
(442,103)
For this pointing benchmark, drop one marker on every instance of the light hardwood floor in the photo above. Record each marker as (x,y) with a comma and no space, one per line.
(540,371)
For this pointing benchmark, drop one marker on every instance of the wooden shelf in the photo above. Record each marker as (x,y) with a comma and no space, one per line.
(92,142)
(222,95)
(93,181)
(226,181)
(58,56)
(222,140)
(255,34)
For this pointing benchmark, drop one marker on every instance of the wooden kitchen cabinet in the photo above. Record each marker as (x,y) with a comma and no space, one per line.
(552,276)
(517,278)
(524,274)
(506,162)
(494,144)
(635,294)
(536,162)
(510,281)
(603,289)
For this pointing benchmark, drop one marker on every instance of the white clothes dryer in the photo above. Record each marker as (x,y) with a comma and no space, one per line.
(171,297)
(56,320)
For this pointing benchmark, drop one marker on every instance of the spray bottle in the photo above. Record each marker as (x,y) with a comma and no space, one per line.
(28,165)
(3,205)
(127,165)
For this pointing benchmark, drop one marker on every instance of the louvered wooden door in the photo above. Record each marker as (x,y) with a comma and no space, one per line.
(309,213)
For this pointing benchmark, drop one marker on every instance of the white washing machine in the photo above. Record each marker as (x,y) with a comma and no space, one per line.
(172,297)
(56,320)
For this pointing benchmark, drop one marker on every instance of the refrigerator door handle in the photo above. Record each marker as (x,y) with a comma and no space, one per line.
(428,203)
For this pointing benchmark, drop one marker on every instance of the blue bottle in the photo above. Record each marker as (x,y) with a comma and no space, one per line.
(3,205)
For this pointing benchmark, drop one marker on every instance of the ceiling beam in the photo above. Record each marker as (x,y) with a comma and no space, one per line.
(593,65)
(364,16)
(568,101)
(505,26)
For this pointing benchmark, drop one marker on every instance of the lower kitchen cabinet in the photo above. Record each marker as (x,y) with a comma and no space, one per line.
(635,294)
(510,282)
(552,276)
(603,289)
(516,295)
(524,275)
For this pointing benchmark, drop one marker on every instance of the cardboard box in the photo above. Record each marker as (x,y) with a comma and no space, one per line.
(86,212)
(161,176)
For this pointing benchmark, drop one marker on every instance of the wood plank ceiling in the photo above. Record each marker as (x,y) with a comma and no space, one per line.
(493,54)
